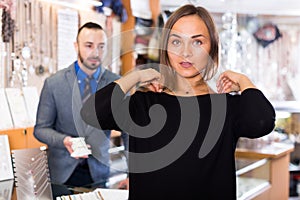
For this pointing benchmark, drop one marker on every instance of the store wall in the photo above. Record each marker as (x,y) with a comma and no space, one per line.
(37,39)
(274,68)
(49,31)
(273,64)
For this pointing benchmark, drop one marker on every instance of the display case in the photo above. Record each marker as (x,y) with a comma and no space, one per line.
(268,168)
(252,177)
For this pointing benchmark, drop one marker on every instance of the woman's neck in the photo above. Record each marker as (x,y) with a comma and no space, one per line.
(191,87)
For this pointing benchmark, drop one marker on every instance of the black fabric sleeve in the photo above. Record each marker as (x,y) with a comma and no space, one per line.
(97,111)
(256,115)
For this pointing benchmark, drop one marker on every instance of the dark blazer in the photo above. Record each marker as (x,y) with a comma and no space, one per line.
(58,116)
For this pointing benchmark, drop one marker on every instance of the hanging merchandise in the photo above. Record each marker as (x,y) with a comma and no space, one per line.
(236,45)
(143,32)
(153,47)
(143,26)
(7,26)
(8,23)
(143,29)
(141,61)
(67,25)
(165,16)
(115,6)
(141,9)
(229,38)
(267,34)
(143,17)
(141,45)
(174,4)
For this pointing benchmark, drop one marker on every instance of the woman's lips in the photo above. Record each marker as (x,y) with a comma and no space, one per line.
(186,64)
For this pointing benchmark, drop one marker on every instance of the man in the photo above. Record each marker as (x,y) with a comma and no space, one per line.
(58,116)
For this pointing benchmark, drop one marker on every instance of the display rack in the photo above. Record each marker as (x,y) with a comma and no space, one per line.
(31,174)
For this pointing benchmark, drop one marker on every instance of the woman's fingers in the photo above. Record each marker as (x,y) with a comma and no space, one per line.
(154,86)
(151,79)
(225,85)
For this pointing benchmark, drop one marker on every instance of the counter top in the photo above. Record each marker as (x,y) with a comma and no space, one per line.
(274,150)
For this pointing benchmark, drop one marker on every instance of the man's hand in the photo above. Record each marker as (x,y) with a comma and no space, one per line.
(68,144)
(124,184)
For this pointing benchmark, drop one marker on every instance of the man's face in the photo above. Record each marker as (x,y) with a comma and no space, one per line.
(91,47)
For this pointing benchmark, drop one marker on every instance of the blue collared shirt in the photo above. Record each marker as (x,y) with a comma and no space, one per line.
(81,76)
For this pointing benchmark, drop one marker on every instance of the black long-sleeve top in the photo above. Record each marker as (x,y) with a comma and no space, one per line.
(181,147)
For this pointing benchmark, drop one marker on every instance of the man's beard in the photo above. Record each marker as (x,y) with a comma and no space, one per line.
(86,64)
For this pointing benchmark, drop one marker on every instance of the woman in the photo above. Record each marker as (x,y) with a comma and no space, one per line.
(183,134)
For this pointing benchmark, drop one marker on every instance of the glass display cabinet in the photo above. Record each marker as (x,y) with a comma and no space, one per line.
(252,177)
(263,173)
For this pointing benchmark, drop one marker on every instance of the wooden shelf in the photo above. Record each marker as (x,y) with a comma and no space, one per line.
(21,138)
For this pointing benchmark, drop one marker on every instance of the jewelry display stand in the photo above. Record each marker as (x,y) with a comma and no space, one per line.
(31,174)
(6,171)
(99,194)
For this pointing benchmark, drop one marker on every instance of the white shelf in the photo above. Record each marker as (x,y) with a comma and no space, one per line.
(247,188)
(249,165)
(287,106)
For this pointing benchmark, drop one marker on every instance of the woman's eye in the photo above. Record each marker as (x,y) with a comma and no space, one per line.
(197,43)
(176,42)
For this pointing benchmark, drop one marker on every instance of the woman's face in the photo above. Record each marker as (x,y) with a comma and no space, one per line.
(188,46)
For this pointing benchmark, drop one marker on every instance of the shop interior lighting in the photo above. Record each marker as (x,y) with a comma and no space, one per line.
(75,4)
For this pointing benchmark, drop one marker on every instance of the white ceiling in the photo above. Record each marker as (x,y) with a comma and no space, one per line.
(267,7)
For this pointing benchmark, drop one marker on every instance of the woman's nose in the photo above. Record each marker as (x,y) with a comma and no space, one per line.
(187,51)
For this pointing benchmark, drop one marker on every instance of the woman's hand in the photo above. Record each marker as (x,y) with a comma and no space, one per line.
(148,78)
(230,81)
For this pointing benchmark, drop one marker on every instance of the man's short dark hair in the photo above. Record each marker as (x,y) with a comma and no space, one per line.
(89,25)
